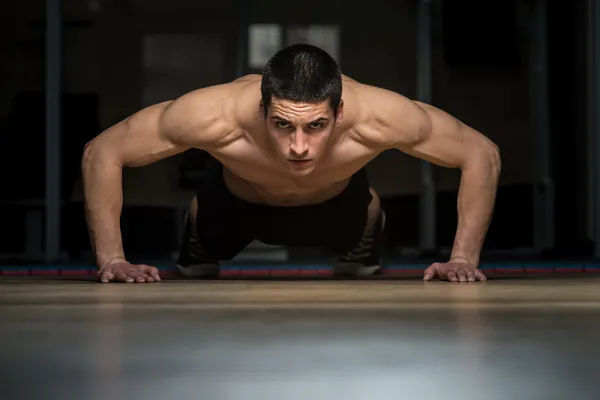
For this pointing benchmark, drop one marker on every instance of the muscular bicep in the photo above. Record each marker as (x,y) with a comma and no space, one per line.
(197,119)
(141,139)
(441,138)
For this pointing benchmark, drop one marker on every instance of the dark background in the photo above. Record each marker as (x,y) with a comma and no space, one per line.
(121,55)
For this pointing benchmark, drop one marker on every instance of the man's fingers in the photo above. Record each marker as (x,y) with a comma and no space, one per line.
(106,277)
(451,276)
(430,272)
(152,271)
(146,272)
(480,276)
(124,277)
(130,274)
(454,272)
(471,276)
(140,277)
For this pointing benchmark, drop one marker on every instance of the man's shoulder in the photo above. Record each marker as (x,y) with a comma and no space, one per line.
(209,114)
(385,116)
(248,79)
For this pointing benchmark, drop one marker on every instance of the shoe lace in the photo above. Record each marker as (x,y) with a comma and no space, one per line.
(195,248)
(363,249)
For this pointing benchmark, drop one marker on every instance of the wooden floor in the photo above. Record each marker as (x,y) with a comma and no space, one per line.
(522,338)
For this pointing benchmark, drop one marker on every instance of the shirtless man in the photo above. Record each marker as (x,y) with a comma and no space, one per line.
(291,150)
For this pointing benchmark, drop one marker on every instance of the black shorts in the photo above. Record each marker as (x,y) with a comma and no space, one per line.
(226,224)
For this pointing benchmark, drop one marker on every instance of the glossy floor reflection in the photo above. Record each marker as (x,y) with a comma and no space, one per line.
(505,339)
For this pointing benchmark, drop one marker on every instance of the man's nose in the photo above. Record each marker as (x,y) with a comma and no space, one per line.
(299,144)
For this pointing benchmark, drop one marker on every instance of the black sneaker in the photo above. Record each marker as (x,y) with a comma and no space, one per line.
(365,258)
(193,260)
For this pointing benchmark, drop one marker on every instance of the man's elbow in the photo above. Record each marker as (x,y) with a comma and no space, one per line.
(91,152)
(495,159)
(485,157)
(97,152)
(489,157)
(87,156)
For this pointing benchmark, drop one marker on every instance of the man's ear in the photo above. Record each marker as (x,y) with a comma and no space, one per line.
(262,110)
(340,112)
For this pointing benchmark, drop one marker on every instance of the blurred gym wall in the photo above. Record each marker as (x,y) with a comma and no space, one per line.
(132,52)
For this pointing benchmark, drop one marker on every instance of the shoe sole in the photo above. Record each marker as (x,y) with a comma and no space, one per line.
(199,271)
(355,270)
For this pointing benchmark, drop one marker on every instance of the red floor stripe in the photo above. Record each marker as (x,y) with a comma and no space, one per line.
(323,272)
(171,272)
(511,270)
(254,272)
(501,269)
(16,272)
(286,272)
(568,270)
(538,270)
(316,272)
(229,272)
(45,272)
(77,272)
(403,271)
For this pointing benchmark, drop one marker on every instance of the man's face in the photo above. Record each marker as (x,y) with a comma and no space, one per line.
(300,132)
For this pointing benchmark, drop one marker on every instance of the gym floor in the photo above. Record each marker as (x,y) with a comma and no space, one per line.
(509,338)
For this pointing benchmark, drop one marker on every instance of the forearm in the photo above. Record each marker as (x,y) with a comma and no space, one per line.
(476,200)
(103,194)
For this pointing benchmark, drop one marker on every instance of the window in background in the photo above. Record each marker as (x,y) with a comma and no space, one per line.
(264,40)
(323,36)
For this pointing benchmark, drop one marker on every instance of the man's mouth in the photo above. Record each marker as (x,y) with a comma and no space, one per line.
(300,162)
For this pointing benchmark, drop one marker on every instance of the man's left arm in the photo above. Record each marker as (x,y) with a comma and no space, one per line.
(435,136)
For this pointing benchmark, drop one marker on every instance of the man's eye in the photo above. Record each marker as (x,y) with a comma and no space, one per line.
(316,125)
(282,125)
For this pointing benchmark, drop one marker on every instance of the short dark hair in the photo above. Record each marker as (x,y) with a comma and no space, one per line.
(302,72)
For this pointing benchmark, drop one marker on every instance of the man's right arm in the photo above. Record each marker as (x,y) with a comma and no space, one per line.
(154,133)
(139,140)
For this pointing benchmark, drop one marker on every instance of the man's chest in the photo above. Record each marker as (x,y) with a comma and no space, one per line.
(252,169)
(262,167)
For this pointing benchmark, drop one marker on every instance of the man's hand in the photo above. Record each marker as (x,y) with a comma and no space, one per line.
(123,271)
(454,271)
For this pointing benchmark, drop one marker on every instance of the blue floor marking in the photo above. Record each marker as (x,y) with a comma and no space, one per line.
(541,265)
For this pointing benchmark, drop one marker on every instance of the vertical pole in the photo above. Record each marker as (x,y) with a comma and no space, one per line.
(543,195)
(427,220)
(590,118)
(53,126)
(596,28)
(244,7)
